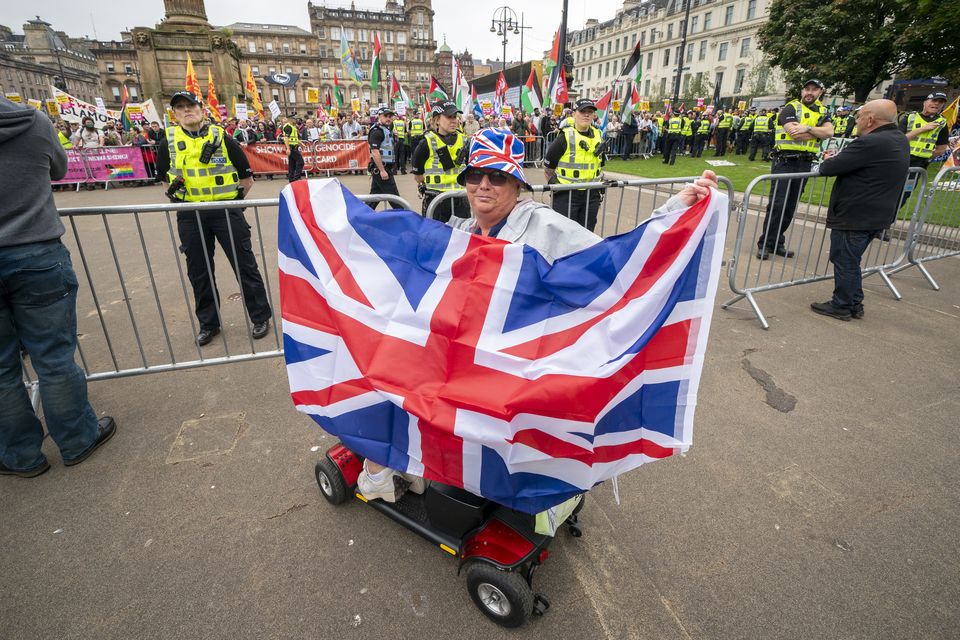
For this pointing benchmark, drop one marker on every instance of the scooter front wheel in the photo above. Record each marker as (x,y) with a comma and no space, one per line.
(330,481)
(502,595)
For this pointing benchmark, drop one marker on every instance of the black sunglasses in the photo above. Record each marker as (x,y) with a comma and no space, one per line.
(496,178)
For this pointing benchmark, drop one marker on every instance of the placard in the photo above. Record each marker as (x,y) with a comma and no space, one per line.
(13,97)
(400,107)
(313,95)
(742,105)
(644,105)
(355,105)
(274,109)
(101,108)
(241,111)
(36,104)
(52,108)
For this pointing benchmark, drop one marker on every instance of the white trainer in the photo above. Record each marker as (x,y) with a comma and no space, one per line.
(378,485)
(417,484)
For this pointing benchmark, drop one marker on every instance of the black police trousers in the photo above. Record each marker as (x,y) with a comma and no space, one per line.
(580,205)
(459,207)
(782,204)
(674,146)
(197,236)
(379,185)
(294,164)
(722,141)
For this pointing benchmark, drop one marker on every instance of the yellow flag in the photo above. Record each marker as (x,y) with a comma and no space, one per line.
(251,91)
(191,83)
(950,114)
(213,105)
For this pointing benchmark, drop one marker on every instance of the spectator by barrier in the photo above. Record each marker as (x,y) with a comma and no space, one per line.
(937,233)
(808,239)
(134,309)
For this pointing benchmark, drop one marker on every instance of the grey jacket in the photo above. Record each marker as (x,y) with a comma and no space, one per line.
(30,157)
(553,235)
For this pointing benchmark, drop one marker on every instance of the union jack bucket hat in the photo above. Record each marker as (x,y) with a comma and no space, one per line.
(496,149)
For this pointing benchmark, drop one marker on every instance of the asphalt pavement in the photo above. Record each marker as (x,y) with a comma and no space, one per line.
(819,499)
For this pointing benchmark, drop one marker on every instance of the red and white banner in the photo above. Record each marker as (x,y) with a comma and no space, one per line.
(335,155)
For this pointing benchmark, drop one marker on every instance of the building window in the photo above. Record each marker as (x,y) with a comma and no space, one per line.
(275,94)
(401,37)
(646,88)
(686,83)
(694,23)
(291,95)
(738,80)
(751,9)
(670,31)
(666,57)
(643,38)
(606,71)
(321,32)
(288,71)
(728,16)
(326,74)
(323,51)
(718,82)
(650,60)
(616,46)
(723,51)
(402,55)
(269,47)
(589,73)
(420,18)
(272,70)
(116,93)
(707,20)
(403,75)
(348,33)
(389,56)
(286,47)
(303,48)
(255,70)
(745,47)
(388,37)
(110,67)
(361,35)
(128,68)
(334,33)
(663,86)
(653,36)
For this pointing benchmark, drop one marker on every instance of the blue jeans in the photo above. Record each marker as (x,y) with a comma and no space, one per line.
(846,250)
(38,297)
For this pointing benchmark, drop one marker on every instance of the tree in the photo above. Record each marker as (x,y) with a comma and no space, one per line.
(699,87)
(854,45)
(930,44)
(760,79)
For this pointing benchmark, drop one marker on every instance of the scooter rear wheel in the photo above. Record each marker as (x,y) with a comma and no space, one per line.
(503,596)
(330,481)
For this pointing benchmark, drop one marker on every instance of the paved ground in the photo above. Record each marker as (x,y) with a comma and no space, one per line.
(819,499)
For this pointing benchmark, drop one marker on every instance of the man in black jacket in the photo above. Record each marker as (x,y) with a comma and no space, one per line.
(871,172)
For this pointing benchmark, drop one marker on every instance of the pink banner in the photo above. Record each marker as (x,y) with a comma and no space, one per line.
(115,164)
(76,170)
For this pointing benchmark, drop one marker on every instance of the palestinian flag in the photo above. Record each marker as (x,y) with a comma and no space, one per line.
(461,88)
(603,109)
(550,72)
(477,109)
(529,100)
(337,92)
(213,105)
(375,65)
(396,91)
(633,70)
(437,92)
(631,101)
(560,94)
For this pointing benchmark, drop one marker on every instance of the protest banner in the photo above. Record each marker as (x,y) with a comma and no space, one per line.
(699,103)
(135,113)
(313,95)
(241,111)
(36,104)
(13,97)
(355,105)
(336,155)
(115,164)
(76,169)
(274,109)
(74,110)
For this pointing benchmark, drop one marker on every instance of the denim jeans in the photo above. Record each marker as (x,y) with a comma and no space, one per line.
(38,296)
(846,250)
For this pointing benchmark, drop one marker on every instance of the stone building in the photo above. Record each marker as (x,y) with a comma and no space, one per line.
(445,57)
(41,57)
(279,48)
(118,66)
(721,51)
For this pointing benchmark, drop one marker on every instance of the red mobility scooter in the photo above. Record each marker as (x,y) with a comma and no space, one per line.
(498,547)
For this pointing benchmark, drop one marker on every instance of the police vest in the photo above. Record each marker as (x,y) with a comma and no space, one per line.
(387,146)
(687,127)
(922,146)
(568,122)
(659,124)
(840,126)
(748,122)
(416,127)
(807,118)
(64,141)
(435,177)
(400,129)
(761,124)
(725,122)
(581,162)
(291,134)
(214,180)
(675,124)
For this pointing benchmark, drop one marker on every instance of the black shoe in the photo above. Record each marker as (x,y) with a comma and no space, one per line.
(784,252)
(107,427)
(827,309)
(260,329)
(857,312)
(43,467)
(206,335)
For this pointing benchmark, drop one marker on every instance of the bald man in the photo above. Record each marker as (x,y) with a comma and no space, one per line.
(871,172)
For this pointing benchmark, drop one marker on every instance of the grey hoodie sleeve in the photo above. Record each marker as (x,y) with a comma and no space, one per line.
(58,157)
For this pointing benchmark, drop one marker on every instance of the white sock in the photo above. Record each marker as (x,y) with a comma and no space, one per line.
(379,475)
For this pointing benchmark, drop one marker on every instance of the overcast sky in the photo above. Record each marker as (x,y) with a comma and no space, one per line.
(466,24)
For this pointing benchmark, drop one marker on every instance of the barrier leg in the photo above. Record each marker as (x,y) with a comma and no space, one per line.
(756,310)
(889,283)
(926,274)
(732,301)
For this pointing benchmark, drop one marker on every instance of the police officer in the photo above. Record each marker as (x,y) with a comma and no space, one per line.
(745,132)
(701,130)
(576,157)
(800,127)
(724,124)
(414,131)
(762,136)
(199,162)
(687,133)
(675,127)
(400,138)
(290,136)
(842,122)
(927,132)
(439,159)
(383,152)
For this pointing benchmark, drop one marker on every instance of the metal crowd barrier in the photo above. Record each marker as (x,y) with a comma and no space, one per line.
(533,151)
(937,234)
(807,236)
(625,203)
(135,306)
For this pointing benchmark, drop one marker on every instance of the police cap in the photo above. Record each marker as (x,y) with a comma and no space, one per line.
(585,104)
(937,95)
(813,81)
(185,95)
(444,108)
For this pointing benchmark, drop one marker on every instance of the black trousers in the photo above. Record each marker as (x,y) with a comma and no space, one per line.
(379,185)
(782,204)
(722,141)
(459,207)
(580,205)
(197,244)
(761,140)
(743,139)
(402,151)
(294,164)
(699,141)
(672,148)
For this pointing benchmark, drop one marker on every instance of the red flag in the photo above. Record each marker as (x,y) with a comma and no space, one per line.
(560,94)
(502,86)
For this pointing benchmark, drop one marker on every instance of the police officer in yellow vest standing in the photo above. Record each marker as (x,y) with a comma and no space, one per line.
(291,137)
(800,127)
(400,141)
(199,162)
(677,126)
(414,130)
(439,159)
(576,156)
(724,125)
(927,133)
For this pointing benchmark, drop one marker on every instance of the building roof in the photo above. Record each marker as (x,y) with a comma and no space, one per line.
(257,27)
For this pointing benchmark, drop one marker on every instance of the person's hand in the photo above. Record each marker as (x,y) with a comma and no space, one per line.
(829,153)
(930,126)
(700,188)
(383,174)
(793,128)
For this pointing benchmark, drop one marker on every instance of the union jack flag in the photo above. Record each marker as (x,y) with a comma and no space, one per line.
(474,362)
(495,152)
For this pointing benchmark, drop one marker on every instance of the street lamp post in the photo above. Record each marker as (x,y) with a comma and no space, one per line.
(683,50)
(503,22)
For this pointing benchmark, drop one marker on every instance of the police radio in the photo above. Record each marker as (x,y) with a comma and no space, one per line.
(209,148)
